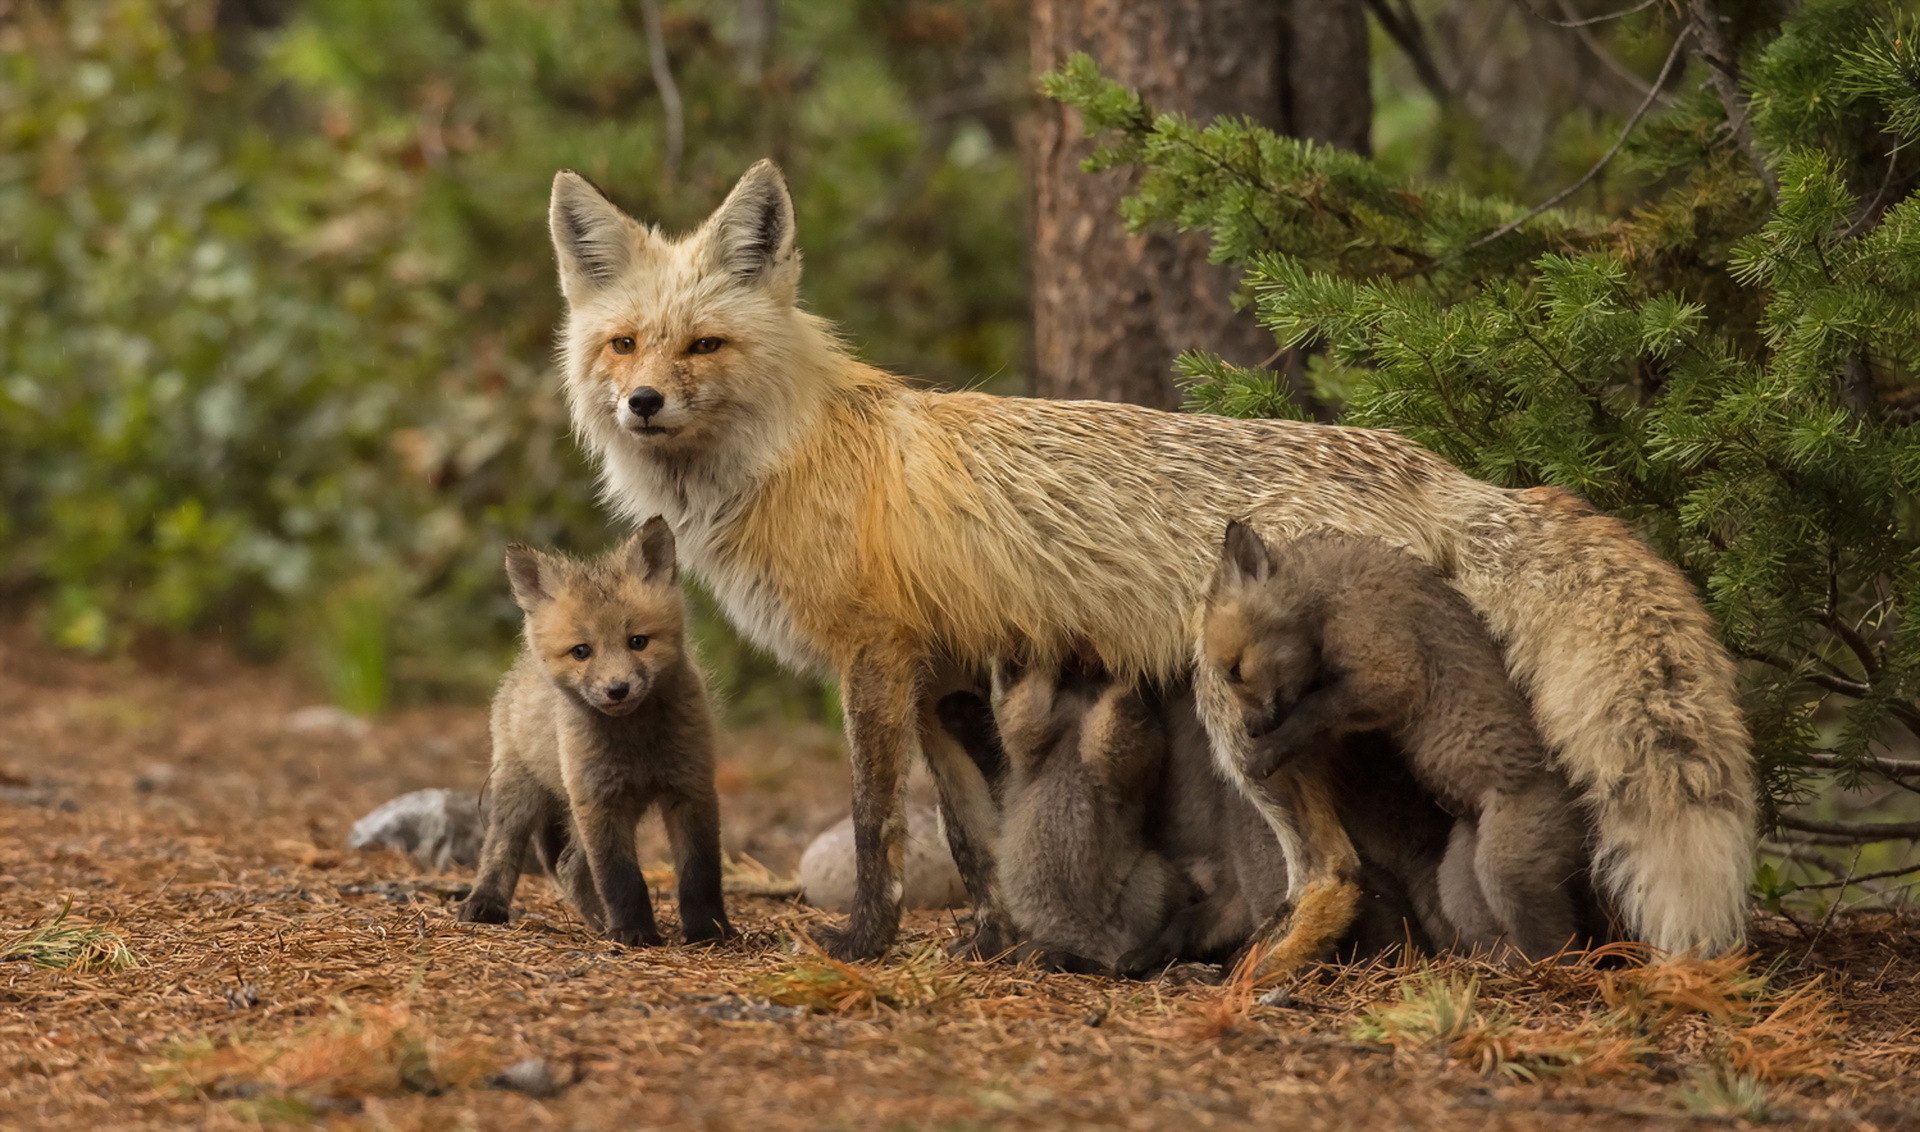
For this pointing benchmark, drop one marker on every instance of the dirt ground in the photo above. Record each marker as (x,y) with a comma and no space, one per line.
(225,961)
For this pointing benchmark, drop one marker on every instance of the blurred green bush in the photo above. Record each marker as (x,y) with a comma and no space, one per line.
(277,305)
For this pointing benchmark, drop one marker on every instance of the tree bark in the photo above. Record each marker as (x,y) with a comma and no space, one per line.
(1111,311)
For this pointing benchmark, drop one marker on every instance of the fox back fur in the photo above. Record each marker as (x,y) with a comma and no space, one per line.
(852,524)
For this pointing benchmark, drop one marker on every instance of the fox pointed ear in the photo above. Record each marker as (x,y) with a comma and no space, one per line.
(1245,555)
(750,236)
(527,573)
(593,240)
(650,553)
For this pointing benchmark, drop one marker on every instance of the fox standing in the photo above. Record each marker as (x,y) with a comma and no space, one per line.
(602,717)
(902,539)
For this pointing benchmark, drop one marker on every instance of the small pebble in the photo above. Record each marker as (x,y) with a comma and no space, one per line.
(243,996)
(532,1077)
(157,776)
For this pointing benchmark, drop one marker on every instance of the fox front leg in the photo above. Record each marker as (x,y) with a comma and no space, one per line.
(519,807)
(877,698)
(1323,871)
(693,831)
(606,837)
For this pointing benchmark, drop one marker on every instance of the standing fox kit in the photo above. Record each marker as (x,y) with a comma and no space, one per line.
(901,539)
(602,717)
(1331,635)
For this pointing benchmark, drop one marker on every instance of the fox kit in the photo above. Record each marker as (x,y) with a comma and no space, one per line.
(1083,755)
(1331,635)
(602,716)
(1123,850)
(901,539)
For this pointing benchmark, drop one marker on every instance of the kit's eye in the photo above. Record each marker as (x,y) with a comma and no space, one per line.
(623,345)
(580,652)
(706,345)
(637,642)
(1233,674)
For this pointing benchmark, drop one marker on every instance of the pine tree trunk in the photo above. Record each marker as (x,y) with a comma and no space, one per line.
(1110,310)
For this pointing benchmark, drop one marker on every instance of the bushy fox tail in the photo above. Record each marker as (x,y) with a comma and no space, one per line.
(1637,698)
(1679,877)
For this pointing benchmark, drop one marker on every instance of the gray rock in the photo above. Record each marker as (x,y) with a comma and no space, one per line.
(437,828)
(932,881)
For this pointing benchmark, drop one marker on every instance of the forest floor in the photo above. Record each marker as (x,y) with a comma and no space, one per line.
(176,851)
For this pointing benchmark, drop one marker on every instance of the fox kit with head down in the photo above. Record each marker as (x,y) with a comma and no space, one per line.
(601,718)
(1084,757)
(902,539)
(1331,635)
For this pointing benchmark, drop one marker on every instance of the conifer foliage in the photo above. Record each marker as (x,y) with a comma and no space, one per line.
(1731,369)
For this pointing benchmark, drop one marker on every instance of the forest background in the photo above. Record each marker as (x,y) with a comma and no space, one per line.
(277,306)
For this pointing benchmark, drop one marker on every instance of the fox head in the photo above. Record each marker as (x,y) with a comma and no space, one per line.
(692,347)
(603,631)
(1259,634)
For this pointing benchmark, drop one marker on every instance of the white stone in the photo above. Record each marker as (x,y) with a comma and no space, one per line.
(931,880)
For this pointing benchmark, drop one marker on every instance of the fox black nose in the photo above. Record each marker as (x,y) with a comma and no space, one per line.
(617,690)
(646,401)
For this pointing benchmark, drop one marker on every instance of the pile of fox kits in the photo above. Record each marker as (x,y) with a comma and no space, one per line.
(1187,685)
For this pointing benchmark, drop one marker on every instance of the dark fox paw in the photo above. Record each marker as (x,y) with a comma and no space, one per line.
(483,910)
(1144,961)
(850,943)
(1269,754)
(636,937)
(987,942)
(708,931)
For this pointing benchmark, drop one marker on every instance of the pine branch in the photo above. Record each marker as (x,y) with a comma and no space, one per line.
(1849,636)
(1853,833)
(1830,681)
(1892,768)
(1861,879)
(1646,104)
(1594,47)
(1589,21)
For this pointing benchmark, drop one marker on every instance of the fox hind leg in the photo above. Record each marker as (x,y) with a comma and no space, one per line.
(960,747)
(1527,860)
(518,807)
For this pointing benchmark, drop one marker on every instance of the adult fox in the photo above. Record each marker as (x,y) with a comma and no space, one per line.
(901,539)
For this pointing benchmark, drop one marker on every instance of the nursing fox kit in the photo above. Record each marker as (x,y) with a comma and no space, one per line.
(602,718)
(903,539)
(1328,636)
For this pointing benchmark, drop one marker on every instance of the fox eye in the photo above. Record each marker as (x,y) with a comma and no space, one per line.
(580,652)
(637,642)
(623,345)
(706,345)
(1233,674)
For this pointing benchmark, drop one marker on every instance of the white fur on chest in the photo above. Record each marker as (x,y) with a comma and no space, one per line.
(700,513)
